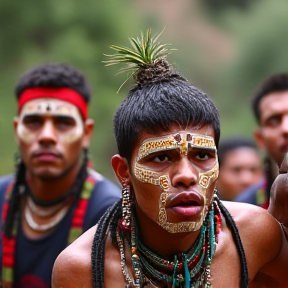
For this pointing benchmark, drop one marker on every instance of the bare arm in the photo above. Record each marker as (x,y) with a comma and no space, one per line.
(278,206)
(262,239)
(72,267)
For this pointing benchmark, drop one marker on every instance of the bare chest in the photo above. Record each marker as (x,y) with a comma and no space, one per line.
(225,269)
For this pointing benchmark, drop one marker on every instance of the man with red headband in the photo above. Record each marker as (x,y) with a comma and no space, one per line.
(55,195)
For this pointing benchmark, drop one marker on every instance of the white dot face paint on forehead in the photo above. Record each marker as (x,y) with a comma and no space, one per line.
(184,142)
(53,108)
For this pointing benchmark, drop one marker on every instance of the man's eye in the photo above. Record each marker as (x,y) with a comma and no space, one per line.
(65,123)
(274,121)
(161,158)
(203,156)
(32,121)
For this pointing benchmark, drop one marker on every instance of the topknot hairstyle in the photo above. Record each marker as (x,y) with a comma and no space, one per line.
(274,83)
(54,75)
(161,97)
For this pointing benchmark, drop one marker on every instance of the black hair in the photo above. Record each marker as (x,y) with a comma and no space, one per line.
(234,143)
(155,106)
(54,75)
(273,83)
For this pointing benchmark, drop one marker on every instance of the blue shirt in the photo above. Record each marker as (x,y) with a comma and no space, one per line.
(35,257)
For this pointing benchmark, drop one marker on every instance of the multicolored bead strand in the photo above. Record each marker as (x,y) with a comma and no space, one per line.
(188,270)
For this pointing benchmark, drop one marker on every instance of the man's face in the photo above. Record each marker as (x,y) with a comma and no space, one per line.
(51,135)
(173,177)
(240,168)
(272,134)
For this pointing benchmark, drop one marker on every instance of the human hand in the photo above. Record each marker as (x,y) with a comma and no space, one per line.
(278,206)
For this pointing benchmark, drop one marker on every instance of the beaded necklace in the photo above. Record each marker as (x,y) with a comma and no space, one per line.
(190,269)
(9,243)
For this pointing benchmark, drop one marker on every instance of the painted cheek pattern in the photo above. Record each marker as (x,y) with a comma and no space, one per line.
(207,178)
(74,134)
(24,134)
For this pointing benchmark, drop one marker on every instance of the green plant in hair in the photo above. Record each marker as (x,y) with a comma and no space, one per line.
(146,60)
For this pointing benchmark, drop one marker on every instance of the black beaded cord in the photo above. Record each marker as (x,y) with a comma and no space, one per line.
(98,246)
(235,234)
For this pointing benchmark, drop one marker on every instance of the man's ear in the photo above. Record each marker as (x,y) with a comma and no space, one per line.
(121,169)
(258,136)
(15,126)
(88,130)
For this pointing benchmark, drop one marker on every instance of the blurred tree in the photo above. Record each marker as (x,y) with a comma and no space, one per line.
(219,5)
(260,44)
(70,31)
(260,38)
(226,50)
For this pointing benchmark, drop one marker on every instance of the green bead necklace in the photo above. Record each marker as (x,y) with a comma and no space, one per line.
(190,269)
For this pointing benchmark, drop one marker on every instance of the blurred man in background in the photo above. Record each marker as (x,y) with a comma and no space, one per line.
(240,167)
(55,194)
(270,107)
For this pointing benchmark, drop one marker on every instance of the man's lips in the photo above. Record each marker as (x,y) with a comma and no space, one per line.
(185,199)
(46,155)
(186,203)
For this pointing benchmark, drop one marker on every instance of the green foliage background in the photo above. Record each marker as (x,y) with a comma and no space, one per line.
(226,52)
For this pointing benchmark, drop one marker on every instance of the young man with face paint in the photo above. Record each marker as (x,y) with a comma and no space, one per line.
(55,195)
(170,229)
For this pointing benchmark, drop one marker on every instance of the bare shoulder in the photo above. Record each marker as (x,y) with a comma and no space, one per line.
(75,261)
(248,216)
(253,222)
(260,233)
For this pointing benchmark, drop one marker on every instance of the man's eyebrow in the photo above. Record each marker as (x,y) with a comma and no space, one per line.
(35,114)
(63,116)
(26,115)
(202,148)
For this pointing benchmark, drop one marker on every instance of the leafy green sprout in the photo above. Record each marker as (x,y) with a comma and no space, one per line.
(145,51)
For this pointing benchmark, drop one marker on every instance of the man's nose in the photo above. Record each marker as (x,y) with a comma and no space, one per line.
(284,124)
(247,178)
(48,133)
(184,173)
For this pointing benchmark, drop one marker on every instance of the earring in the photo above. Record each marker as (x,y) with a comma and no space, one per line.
(215,195)
(126,207)
(86,159)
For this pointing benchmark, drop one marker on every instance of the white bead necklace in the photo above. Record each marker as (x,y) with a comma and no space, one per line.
(43,227)
(43,211)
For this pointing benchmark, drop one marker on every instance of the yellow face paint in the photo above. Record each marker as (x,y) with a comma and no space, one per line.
(181,141)
(52,108)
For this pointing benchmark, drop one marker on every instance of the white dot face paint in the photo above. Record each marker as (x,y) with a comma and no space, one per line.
(158,156)
(65,118)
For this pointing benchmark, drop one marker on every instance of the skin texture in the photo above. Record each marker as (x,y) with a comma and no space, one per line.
(45,149)
(52,160)
(240,169)
(69,123)
(260,233)
(156,163)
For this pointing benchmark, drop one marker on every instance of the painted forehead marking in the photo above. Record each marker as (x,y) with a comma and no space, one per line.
(181,140)
(49,106)
(53,107)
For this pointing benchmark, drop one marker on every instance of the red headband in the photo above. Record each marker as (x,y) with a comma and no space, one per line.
(65,94)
